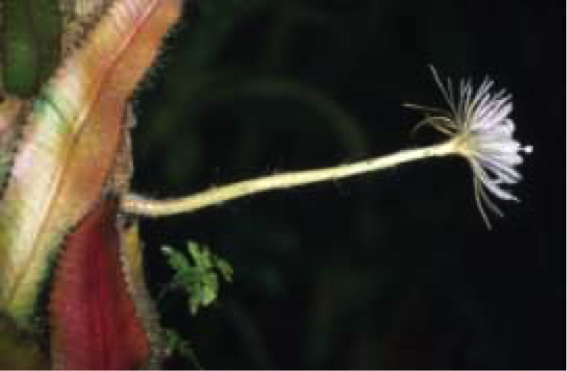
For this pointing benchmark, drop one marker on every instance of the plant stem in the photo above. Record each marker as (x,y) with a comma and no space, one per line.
(138,205)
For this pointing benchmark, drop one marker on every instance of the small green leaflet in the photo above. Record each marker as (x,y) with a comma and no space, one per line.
(175,343)
(200,277)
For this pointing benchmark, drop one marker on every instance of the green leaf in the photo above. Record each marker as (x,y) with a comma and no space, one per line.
(176,344)
(30,44)
(200,277)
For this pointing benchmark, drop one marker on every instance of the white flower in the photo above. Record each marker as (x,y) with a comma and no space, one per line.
(482,130)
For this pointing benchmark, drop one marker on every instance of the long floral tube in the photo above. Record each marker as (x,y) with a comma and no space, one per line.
(139,205)
(477,122)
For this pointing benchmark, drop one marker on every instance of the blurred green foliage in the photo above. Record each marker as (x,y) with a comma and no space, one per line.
(30,33)
(175,344)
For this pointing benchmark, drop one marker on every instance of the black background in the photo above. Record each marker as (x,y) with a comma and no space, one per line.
(390,270)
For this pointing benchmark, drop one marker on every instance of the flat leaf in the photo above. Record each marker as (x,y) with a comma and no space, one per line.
(79,16)
(94,324)
(12,110)
(70,143)
(132,266)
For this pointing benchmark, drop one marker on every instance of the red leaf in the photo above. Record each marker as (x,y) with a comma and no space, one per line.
(93,320)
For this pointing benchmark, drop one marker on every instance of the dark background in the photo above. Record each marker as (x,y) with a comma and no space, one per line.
(390,270)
